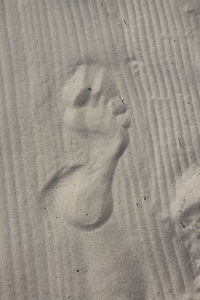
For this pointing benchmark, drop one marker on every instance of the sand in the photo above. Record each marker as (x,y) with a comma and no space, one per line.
(100,150)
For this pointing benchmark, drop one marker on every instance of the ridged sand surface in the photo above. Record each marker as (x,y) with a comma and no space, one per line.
(153,49)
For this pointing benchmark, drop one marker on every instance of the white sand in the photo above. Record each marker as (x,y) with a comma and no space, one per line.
(90,209)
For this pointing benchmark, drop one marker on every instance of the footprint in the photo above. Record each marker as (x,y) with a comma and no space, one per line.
(185,214)
(97,117)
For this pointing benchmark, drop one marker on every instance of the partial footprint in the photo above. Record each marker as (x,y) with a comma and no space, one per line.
(186,212)
(97,116)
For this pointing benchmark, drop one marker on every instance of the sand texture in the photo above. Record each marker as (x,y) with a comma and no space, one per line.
(100,149)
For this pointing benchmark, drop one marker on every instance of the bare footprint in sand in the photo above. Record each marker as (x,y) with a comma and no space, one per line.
(186,216)
(97,118)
